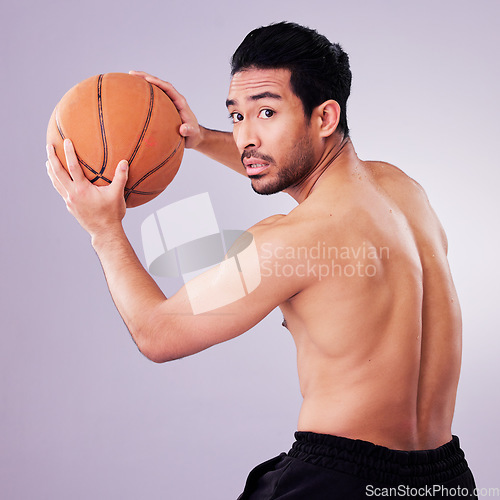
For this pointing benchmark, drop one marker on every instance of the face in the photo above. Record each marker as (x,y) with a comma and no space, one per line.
(270,129)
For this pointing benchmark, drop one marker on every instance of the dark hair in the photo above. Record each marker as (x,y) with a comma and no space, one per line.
(319,69)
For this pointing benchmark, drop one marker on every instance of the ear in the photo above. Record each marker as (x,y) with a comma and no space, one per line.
(328,116)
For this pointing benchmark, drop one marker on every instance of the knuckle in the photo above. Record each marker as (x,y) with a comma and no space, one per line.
(70,199)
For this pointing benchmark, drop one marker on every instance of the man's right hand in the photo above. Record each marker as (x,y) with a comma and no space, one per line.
(219,146)
(190,128)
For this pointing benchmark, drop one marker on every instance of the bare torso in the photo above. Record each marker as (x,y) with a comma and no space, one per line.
(378,330)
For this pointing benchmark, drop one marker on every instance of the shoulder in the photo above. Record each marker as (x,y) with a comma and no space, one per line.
(393,177)
(290,228)
(269,221)
(411,198)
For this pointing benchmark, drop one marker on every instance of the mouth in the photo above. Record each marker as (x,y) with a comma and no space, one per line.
(255,168)
(255,164)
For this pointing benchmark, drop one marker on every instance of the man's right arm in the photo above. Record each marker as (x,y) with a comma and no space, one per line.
(219,146)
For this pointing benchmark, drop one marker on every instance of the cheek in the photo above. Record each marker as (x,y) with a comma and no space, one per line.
(282,139)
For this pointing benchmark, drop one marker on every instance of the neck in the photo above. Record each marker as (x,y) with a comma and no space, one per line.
(338,151)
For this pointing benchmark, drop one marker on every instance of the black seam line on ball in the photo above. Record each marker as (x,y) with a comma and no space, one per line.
(146,124)
(129,191)
(101,122)
(97,174)
(152,171)
(82,163)
(58,125)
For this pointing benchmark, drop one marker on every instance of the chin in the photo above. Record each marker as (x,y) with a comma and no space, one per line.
(266,188)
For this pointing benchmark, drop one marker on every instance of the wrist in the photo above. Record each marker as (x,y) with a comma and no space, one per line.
(102,236)
(201,139)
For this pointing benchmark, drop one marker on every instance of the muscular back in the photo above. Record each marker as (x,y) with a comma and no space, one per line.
(377,328)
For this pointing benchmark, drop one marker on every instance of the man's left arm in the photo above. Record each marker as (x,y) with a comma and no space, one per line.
(216,306)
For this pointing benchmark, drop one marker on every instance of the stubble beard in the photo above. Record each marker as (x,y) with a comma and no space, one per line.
(297,165)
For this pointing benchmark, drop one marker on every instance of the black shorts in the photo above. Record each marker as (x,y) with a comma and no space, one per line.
(324,467)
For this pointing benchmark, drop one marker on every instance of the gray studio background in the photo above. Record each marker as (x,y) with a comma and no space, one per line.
(82,414)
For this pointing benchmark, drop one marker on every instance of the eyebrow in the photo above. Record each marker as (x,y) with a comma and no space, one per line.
(256,97)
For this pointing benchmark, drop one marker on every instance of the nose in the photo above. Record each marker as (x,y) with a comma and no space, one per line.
(246,136)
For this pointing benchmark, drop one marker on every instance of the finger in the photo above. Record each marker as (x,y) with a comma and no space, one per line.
(175,96)
(142,74)
(189,126)
(166,86)
(74,166)
(55,181)
(57,169)
(169,89)
(121,176)
(186,130)
(147,76)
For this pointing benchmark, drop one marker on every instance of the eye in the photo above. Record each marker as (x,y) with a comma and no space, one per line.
(266,113)
(236,117)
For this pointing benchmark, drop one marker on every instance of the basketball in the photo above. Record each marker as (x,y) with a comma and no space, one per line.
(117,116)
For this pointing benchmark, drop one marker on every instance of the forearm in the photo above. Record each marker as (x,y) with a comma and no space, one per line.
(135,294)
(220,146)
(100,210)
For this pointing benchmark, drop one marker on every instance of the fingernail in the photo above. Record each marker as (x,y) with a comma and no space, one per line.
(67,142)
(123,165)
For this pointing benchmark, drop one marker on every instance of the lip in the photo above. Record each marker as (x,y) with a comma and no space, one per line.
(255,170)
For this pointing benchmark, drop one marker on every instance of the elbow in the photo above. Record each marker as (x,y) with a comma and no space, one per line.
(155,358)
(153,353)
(153,350)
(157,340)
(150,354)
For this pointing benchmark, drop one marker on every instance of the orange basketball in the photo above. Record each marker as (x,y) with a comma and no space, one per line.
(116,116)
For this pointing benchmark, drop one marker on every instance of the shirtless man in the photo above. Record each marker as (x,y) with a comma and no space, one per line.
(377,331)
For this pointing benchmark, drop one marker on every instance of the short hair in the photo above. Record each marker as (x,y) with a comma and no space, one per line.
(319,69)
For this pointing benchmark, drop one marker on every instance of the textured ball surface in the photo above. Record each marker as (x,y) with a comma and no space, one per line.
(116,116)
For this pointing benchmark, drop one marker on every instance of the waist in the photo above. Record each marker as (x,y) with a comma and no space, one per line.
(381,418)
(378,463)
